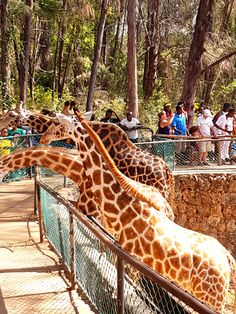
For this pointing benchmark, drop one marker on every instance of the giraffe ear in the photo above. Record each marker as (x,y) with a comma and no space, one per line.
(87,115)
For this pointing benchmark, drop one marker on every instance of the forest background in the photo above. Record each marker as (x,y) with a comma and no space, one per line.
(124,55)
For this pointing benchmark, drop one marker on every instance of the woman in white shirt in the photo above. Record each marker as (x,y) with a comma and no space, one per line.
(205,126)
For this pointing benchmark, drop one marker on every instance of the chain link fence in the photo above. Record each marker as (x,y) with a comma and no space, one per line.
(178,153)
(186,153)
(112,280)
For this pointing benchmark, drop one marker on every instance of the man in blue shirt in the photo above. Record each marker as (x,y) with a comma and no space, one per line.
(179,123)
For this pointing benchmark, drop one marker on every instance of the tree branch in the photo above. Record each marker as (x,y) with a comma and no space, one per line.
(229,55)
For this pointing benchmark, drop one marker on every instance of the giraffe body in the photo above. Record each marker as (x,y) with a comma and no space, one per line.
(132,161)
(196,262)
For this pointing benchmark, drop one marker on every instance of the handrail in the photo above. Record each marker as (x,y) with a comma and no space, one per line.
(114,246)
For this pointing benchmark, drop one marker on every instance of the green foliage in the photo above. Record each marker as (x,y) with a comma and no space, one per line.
(148,110)
(86,39)
(50,7)
(224,93)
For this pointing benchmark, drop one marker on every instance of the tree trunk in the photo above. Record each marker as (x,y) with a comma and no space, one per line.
(193,68)
(210,74)
(132,92)
(33,58)
(60,59)
(104,48)
(97,52)
(60,48)
(152,48)
(116,40)
(209,82)
(25,52)
(44,49)
(4,54)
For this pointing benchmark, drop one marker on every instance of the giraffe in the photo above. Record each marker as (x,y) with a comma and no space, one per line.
(132,161)
(198,263)
(69,165)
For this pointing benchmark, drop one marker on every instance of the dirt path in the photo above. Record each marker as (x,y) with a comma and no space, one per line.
(32,278)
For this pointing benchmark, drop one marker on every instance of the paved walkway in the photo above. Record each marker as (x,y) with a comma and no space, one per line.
(32,278)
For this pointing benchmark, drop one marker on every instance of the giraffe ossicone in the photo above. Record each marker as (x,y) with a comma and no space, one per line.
(198,263)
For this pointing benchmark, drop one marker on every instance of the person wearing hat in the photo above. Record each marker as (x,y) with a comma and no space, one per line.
(224,125)
(223,111)
(205,126)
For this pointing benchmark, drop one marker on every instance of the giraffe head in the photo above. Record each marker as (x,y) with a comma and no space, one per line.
(62,127)
(13,117)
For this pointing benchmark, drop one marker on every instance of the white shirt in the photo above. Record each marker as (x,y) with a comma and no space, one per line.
(222,121)
(205,125)
(130,124)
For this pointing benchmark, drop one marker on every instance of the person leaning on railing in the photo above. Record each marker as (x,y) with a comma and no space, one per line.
(224,126)
(5,144)
(205,127)
(164,123)
(131,125)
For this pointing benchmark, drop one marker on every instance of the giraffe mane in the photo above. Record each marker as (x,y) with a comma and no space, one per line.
(120,177)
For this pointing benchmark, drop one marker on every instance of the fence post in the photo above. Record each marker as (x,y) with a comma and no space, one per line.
(120,285)
(72,251)
(219,153)
(35,194)
(40,218)
(30,169)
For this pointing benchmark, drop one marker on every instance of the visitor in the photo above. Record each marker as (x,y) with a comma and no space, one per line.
(16,131)
(179,123)
(200,110)
(66,109)
(131,125)
(205,127)
(108,117)
(179,126)
(224,126)
(168,111)
(72,106)
(164,123)
(5,143)
(193,146)
(223,111)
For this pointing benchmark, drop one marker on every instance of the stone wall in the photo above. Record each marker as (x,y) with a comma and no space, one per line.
(207,203)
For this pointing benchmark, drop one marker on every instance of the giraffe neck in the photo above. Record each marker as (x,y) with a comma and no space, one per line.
(130,186)
(58,160)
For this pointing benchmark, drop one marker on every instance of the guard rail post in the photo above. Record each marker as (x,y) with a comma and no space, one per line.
(40,216)
(120,285)
(72,251)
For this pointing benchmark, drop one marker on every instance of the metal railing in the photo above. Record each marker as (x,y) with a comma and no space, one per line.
(113,280)
(184,152)
(178,152)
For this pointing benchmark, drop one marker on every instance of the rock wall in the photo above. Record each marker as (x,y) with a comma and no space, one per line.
(207,203)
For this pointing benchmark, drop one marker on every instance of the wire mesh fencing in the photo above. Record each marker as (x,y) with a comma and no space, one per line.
(193,153)
(178,153)
(112,280)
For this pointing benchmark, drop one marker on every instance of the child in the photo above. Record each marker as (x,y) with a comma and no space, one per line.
(194,146)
